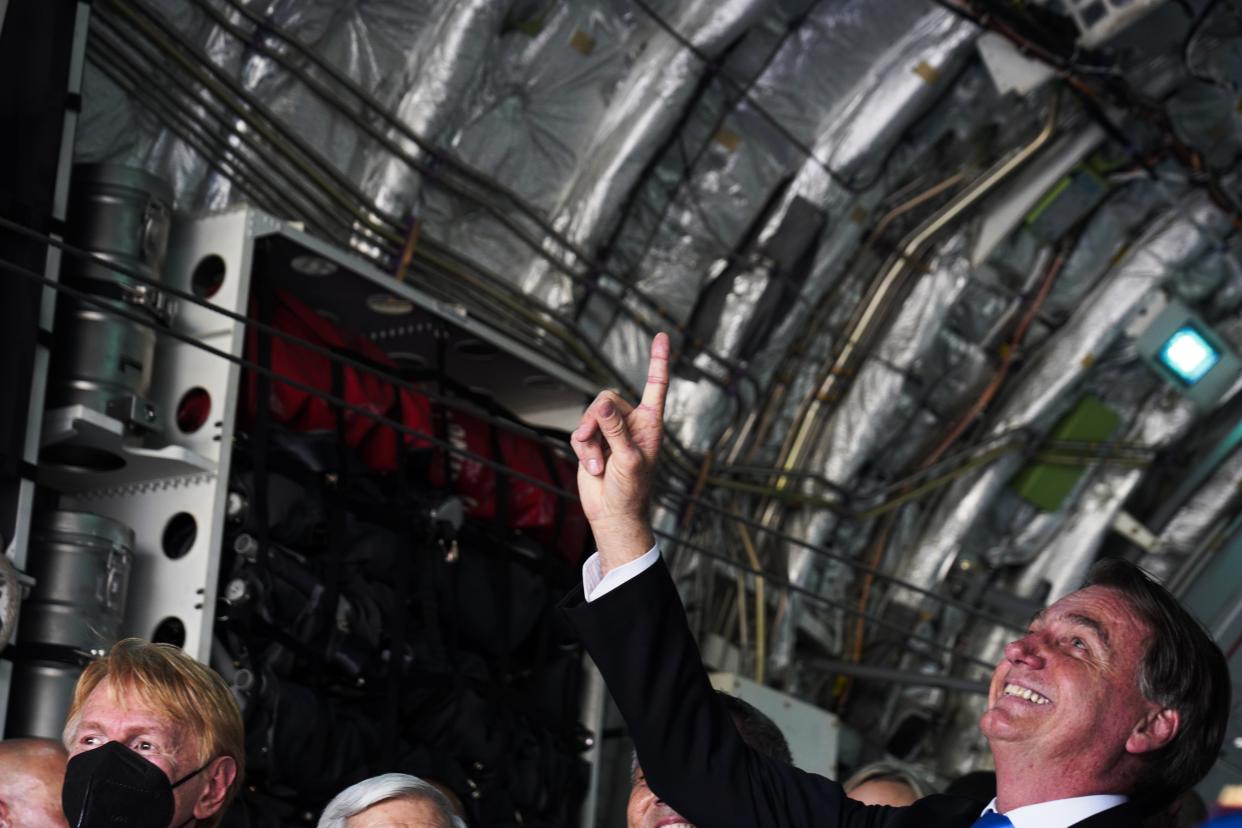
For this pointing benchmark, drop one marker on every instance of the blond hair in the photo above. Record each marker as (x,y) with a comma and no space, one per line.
(164,678)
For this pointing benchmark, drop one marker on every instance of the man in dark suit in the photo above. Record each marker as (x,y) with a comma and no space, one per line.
(1114,702)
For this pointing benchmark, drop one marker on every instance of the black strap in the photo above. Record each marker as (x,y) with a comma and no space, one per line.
(437,578)
(113,290)
(409,547)
(336,496)
(554,475)
(13,466)
(263,307)
(439,413)
(58,653)
(503,575)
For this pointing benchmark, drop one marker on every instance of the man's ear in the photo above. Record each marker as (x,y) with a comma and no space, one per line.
(1154,731)
(220,775)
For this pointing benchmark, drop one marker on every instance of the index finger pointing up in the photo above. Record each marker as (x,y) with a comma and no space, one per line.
(657,374)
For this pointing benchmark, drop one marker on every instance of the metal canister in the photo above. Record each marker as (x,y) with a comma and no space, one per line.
(103,360)
(81,564)
(40,695)
(122,214)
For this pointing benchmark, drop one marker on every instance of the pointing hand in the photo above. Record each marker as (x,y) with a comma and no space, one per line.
(617,445)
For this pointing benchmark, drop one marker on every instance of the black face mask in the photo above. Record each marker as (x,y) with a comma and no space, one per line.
(112,786)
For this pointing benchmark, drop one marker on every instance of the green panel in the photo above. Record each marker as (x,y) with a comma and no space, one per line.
(1048,484)
(1069,200)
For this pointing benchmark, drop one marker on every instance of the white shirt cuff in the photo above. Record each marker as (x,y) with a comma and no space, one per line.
(595,584)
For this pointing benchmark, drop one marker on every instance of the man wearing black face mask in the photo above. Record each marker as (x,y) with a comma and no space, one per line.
(155,740)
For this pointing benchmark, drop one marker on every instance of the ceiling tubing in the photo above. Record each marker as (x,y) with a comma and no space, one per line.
(1056,369)
(371,222)
(337,206)
(801,448)
(878,302)
(886,292)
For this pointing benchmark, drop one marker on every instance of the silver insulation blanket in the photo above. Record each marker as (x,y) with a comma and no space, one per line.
(389,49)
(446,59)
(1063,562)
(577,107)
(1214,502)
(889,63)
(848,114)
(531,125)
(863,421)
(642,112)
(1196,521)
(1043,390)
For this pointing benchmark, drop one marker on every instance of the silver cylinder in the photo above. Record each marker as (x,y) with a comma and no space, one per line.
(39,698)
(81,564)
(101,360)
(122,214)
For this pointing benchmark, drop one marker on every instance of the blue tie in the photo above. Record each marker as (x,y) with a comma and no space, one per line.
(992,820)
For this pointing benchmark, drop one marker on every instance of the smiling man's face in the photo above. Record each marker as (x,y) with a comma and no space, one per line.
(646,810)
(1068,692)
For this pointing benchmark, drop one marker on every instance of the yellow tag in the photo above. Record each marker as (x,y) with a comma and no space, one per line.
(858,215)
(1088,360)
(583,42)
(927,72)
(728,139)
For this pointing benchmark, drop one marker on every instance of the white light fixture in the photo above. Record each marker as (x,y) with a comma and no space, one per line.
(387,304)
(1188,355)
(309,265)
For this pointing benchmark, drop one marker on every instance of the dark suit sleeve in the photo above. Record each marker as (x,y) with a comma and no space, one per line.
(690,750)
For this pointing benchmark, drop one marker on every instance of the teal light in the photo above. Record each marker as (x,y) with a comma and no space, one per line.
(1188,354)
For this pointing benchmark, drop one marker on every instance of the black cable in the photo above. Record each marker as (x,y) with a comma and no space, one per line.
(905,632)
(439,156)
(111,307)
(254,183)
(965,14)
(739,86)
(431,171)
(334,355)
(1186,8)
(823,552)
(431,245)
(369,216)
(342,404)
(213,76)
(677,138)
(1188,42)
(341,358)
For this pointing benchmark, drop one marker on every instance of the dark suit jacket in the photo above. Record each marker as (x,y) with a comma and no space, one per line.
(689,748)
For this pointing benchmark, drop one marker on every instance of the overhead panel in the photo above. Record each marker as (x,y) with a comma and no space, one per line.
(1048,483)
(1187,353)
